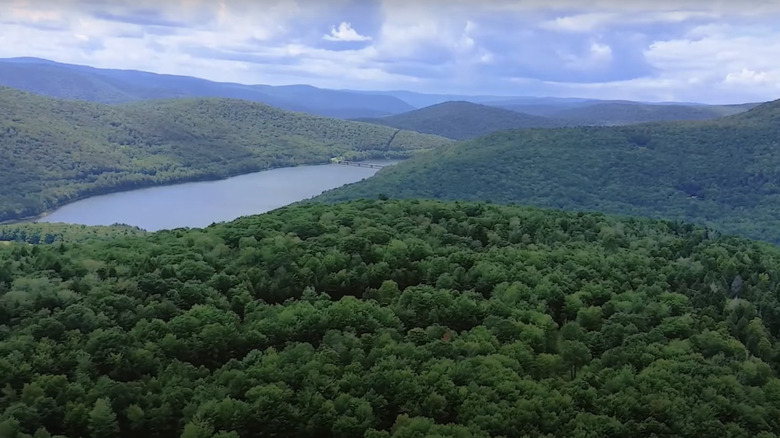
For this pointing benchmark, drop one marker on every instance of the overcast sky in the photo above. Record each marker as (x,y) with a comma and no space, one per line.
(660,50)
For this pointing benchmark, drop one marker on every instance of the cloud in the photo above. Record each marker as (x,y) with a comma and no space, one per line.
(645,49)
(597,21)
(751,77)
(598,56)
(580,23)
(141,17)
(345,32)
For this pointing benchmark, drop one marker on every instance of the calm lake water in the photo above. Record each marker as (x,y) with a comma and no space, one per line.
(200,204)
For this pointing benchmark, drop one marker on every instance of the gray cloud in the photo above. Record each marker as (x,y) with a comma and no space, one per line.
(649,49)
(141,17)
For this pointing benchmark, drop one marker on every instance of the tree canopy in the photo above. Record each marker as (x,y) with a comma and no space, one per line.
(394,319)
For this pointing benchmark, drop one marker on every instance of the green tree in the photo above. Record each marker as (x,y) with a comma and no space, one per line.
(574,354)
(102,420)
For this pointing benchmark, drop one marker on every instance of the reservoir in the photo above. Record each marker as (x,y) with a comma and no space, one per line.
(200,204)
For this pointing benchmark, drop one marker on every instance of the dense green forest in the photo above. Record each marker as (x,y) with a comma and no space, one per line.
(46,233)
(394,319)
(721,173)
(463,120)
(55,151)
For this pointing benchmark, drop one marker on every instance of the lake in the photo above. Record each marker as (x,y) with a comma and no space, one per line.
(200,204)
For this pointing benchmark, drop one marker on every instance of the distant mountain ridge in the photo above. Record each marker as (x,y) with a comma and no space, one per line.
(605,113)
(68,81)
(462,120)
(722,173)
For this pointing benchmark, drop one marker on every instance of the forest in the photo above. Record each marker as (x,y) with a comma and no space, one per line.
(393,318)
(624,113)
(722,173)
(47,233)
(57,151)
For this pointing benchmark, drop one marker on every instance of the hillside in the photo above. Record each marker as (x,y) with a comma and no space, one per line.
(394,319)
(54,151)
(722,173)
(607,113)
(622,113)
(69,81)
(462,120)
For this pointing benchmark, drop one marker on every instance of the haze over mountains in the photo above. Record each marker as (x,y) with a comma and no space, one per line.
(116,86)
(80,82)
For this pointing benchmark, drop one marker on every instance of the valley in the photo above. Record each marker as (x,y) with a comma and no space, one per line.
(57,151)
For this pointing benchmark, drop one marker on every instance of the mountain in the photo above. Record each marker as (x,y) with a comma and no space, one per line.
(421,100)
(606,113)
(69,81)
(394,319)
(723,173)
(462,120)
(53,151)
(622,113)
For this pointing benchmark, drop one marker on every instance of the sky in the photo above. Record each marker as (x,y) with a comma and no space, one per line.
(661,50)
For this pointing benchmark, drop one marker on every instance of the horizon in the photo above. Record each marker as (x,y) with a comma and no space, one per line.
(499,98)
(655,52)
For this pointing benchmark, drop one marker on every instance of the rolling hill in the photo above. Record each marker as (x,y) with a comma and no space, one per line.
(723,173)
(54,151)
(69,81)
(462,120)
(623,113)
(608,113)
(394,319)
(421,100)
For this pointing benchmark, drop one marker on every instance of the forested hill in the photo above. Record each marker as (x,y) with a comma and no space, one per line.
(53,151)
(623,113)
(394,319)
(723,173)
(463,120)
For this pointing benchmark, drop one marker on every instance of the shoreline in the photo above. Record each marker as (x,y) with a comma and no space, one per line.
(38,217)
(35,218)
